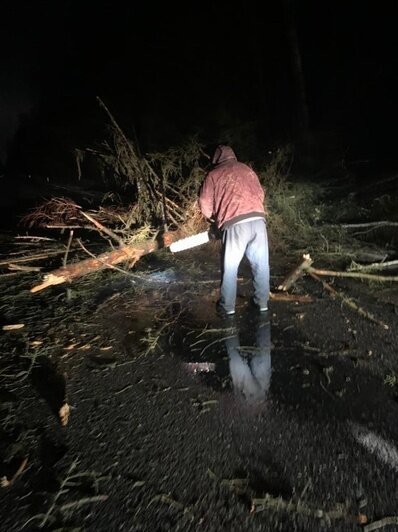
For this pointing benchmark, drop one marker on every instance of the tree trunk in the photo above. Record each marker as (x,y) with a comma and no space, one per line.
(106,260)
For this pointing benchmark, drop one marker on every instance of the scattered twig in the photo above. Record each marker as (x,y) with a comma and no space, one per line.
(383,223)
(20,268)
(217,341)
(34,238)
(124,389)
(167,499)
(102,228)
(5,483)
(30,258)
(83,501)
(68,248)
(374,267)
(62,226)
(305,267)
(267,502)
(348,301)
(68,482)
(237,485)
(393,520)
(357,275)
(24,374)
(304,298)
(8,275)
(13,327)
(241,485)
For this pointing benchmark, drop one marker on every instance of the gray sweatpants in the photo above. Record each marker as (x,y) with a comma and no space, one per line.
(250,239)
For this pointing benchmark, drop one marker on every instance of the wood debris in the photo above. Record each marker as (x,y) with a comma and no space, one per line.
(13,327)
(106,260)
(297,298)
(5,483)
(338,512)
(305,267)
(297,272)
(63,414)
(381,523)
(349,302)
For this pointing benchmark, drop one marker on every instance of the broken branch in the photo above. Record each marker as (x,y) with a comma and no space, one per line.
(374,267)
(68,248)
(384,223)
(357,275)
(102,228)
(348,301)
(296,273)
(5,483)
(393,520)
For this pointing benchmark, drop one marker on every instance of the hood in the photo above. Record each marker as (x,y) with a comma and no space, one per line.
(222,154)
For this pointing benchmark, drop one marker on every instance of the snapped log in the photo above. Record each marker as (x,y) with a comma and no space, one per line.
(106,260)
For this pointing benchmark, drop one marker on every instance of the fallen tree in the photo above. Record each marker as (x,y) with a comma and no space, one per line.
(106,260)
(163,187)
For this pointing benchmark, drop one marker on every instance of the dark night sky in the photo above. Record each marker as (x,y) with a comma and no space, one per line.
(173,70)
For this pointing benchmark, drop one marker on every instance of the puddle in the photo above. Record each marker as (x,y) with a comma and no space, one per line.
(253,359)
(250,362)
(232,355)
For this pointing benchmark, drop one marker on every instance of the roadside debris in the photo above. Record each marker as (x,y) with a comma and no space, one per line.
(6,483)
(305,267)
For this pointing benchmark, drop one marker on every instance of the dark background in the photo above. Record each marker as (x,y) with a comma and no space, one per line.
(167,70)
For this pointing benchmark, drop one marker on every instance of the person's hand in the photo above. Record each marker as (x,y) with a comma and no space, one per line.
(214,232)
(168,239)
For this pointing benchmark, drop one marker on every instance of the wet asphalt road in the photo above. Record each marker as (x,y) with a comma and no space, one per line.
(231,425)
(196,450)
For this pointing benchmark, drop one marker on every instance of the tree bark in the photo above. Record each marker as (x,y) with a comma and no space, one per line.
(297,272)
(106,260)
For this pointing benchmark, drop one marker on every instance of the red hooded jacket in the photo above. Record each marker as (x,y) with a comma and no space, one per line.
(231,192)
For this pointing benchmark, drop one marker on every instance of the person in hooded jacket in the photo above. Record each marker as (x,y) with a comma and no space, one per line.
(232,195)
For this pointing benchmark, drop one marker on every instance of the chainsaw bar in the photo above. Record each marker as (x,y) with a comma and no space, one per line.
(190,242)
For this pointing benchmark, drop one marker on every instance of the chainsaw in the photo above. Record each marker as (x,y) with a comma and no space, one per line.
(195,240)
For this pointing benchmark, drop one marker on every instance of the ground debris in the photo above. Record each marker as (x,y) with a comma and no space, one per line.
(166,498)
(349,302)
(64,413)
(278,503)
(13,327)
(297,272)
(305,267)
(237,485)
(5,483)
(376,525)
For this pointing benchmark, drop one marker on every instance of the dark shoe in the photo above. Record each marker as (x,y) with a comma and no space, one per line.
(253,304)
(222,312)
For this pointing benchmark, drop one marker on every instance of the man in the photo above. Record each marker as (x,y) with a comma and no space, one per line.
(233,196)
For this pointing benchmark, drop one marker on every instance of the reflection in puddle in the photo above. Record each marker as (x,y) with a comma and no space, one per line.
(250,365)
(237,357)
